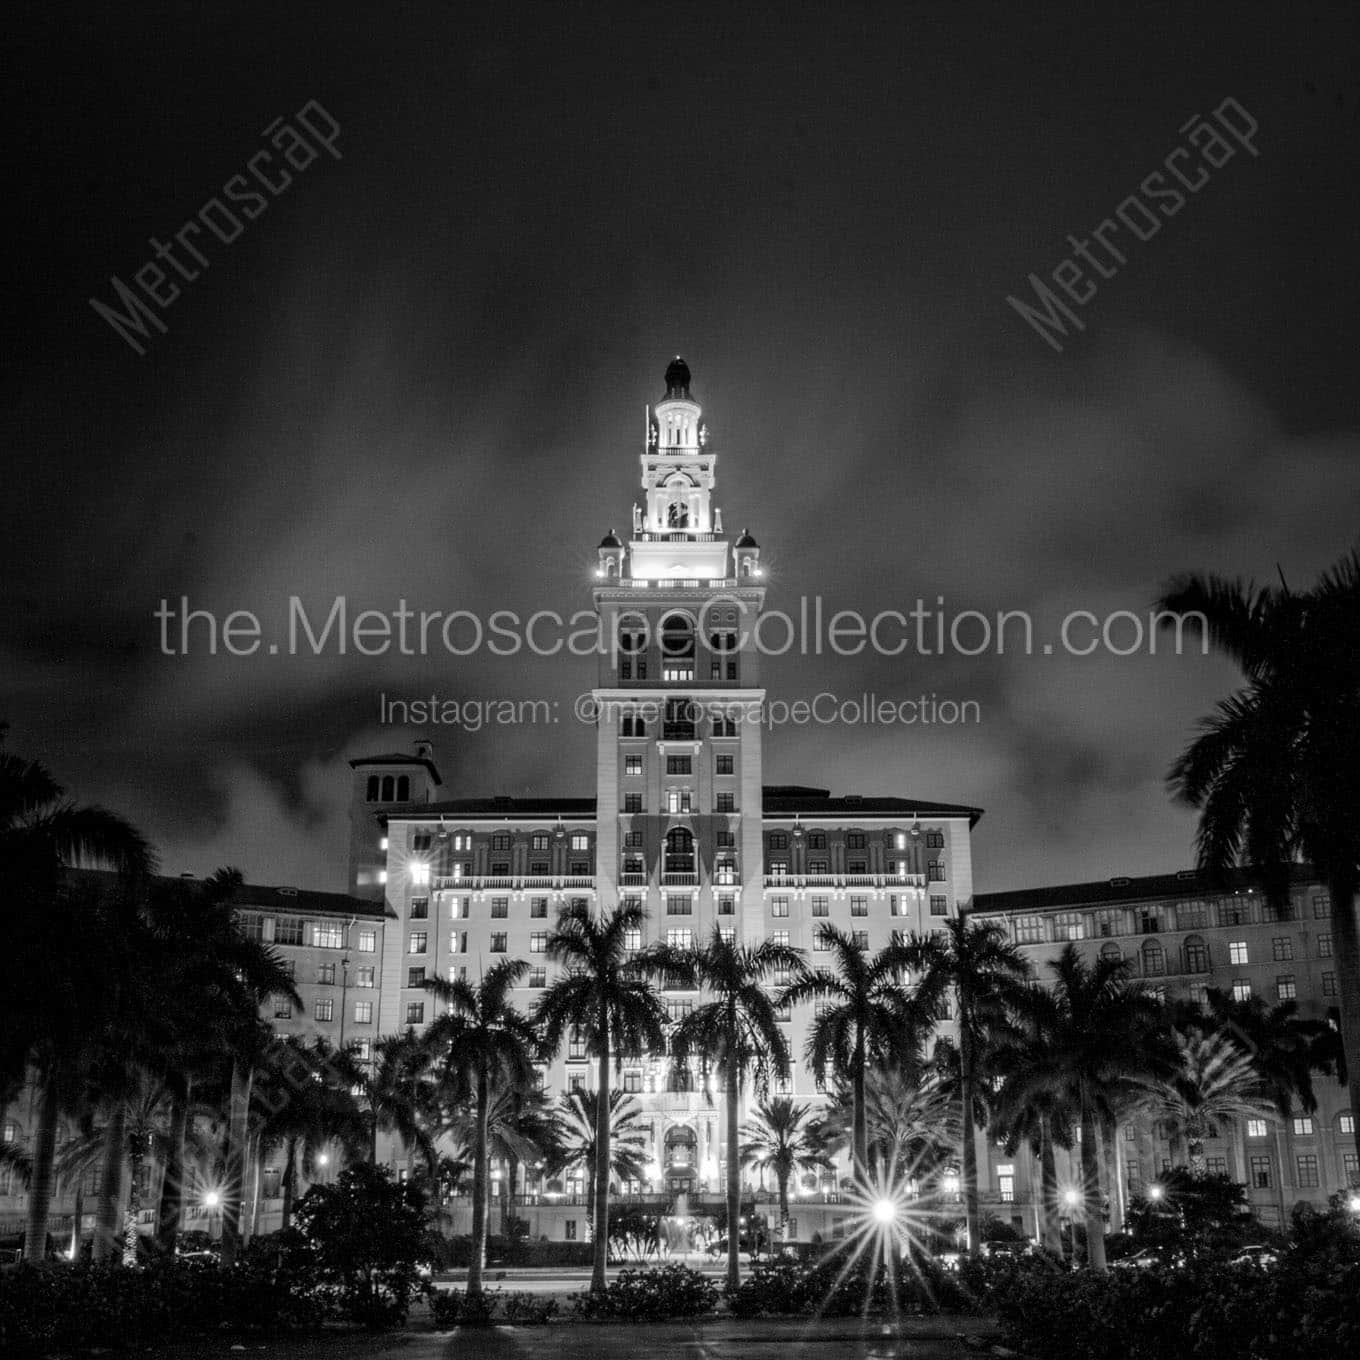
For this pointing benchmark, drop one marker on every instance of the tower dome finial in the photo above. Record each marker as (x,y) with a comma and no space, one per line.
(677,378)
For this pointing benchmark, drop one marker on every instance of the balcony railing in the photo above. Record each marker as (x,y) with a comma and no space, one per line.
(845,880)
(677,536)
(670,880)
(633,880)
(512,882)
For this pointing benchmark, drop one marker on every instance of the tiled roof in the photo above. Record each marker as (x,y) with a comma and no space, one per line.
(1105,891)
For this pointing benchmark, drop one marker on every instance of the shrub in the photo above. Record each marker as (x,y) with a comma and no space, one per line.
(363,1238)
(454,1308)
(649,1295)
(530,1309)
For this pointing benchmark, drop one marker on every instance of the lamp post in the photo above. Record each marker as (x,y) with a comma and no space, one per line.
(344,993)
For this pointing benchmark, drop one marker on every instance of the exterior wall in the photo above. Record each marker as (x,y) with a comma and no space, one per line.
(1280,954)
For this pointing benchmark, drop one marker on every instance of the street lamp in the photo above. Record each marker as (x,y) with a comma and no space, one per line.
(1353,1204)
(885,1211)
(1155,1192)
(344,993)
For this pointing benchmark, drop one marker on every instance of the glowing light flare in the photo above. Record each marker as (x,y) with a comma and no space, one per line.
(1353,1204)
(1155,1192)
(885,1211)
(212,1199)
(1071,1198)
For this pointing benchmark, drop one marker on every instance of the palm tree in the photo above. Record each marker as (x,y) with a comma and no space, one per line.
(399,1092)
(483,1045)
(49,1020)
(987,975)
(578,1121)
(784,1138)
(1213,1084)
(606,995)
(736,1032)
(912,1120)
(865,1015)
(1104,1039)
(1028,1105)
(1275,771)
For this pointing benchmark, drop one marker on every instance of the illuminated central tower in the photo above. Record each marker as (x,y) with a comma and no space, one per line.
(678,770)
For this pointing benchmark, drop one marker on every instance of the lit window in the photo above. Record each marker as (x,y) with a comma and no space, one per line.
(1256,1128)
(368,940)
(538,977)
(1324,946)
(580,840)
(1303,1126)
(680,937)
(324,1009)
(1241,990)
(538,941)
(420,872)
(500,908)
(780,937)
(1237,952)
(363,1012)
(364,977)
(1286,989)
(779,906)
(1345,1123)
(417,942)
(325,974)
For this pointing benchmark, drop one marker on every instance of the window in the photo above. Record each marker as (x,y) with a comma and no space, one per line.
(420,872)
(288,930)
(632,938)
(679,764)
(363,1012)
(1256,1128)
(498,942)
(1237,952)
(1303,1126)
(415,1012)
(854,840)
(632,1082)
(1260,1173)
(283,1009)
(252,926)
(939,906)
(859,906)
(1282,949)
(821,906)
(780,937)
(458,942)
(1322,906)
(935,871)
(1154,959)
(1005,1183)
(726,802)
(1133,1176)
(1307,1164)
(1196,954)
(417,942)
(368,940)
(727,906)
(816,840)
(860,939)
(1192,915)
(679,904)
(1329,984)
(1345,1123)
(1324,946)
(415,977)
(500,908)
(324,1009)
(1350,1169)
(1149,923)
(728,934)
(724,765)
(1029,929)
(632,802)
(1216,1166)
(1069,925)
(820,943)
(325,974)
(459,907)
(364,977)
(1286,988)
(580,840)
(779,906)
(1241,990)
(420,908)
(680,937)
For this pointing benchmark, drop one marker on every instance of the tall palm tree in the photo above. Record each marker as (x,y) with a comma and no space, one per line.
(1030,1106)
(400,1093)
(864,1015)
(606,995)
(1105,1038)
(578,1120)
(483,1045)
(785,1138)
(1212,1085)
(987,976)
(1275,771)
(736,1032)
(45,1019)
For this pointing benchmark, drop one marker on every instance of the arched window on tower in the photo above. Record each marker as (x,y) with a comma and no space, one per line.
(403,788)
(388,787)
(679,851)
(374,788)
(1112,952)
(677,515)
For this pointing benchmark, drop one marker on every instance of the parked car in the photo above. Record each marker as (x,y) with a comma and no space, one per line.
(1140,1260)
(1258,1254)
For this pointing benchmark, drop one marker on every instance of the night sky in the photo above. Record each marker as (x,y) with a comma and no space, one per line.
(421,374)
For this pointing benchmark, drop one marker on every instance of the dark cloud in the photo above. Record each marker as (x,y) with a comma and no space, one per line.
(421,374)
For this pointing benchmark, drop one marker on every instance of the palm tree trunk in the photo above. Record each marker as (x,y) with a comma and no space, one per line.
(1090,1187)
(481,1185)
(76,1217)
(860,1143)
(1048,1193)
(289,1173)
(41,1179)
(110,1183)
(233,1191)
(599,1271)
(1346,949)
(170,1211)
(971,1213)
(131,1227)
(783,1180)
(1109,1145)
(733,1180)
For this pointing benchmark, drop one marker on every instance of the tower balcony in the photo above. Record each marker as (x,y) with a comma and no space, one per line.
(676,536)
(512,882)
(633,880)
(678,880)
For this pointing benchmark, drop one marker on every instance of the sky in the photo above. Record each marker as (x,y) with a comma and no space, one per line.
(419,373)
